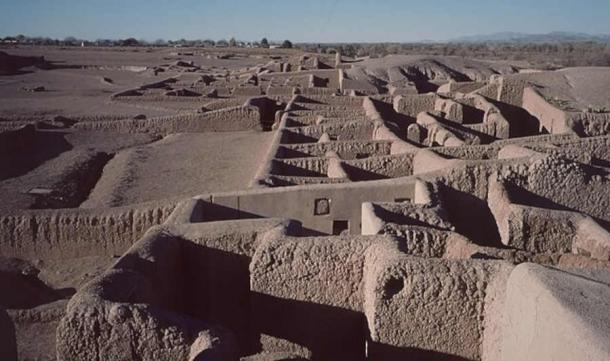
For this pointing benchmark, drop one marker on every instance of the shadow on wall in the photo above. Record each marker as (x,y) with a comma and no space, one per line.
(24,291)
(330,333)
(424,86)
(290,137)
(267,108)
(472,115)
(358,174)
(398,120)
(523,196)
(218,290)
(379,351)
(76,184)
(284,152)
(521,123)
(282,168)
(8,342)
(24,149)
(485,138)
(471,217)
(216,212)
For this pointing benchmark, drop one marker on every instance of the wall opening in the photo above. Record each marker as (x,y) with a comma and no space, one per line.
(340,227)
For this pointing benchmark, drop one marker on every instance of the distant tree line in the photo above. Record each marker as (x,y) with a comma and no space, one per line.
(550,55)
(545,55)
(73,41)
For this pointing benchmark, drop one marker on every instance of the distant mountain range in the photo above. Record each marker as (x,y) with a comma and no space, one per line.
(512,37)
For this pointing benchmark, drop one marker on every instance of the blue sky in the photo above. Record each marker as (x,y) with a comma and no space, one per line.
(299,20)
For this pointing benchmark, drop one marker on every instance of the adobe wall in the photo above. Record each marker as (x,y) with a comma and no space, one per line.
(430,214)
(584,150)
(390,166)
(216,259)
(440,133)
(218,104)
(382,130)
(99,317)
(307,167)
(230,119)
(511,89)
(345,149)
(357,87)
(461,87)
(72,233)
(278,180)
(490,90)
(330,74)
(318,91)
(464,184)
(414,239)
(267,164)
(549,177)
(412,105)
(490,151)
(451,109)
(556,314)
(530,228)
(341,131)
(305,203)
(590,124)
(279,90)
(311,282)
(494,122)
(329,112)
(427,308)
(552,119)
(247,91)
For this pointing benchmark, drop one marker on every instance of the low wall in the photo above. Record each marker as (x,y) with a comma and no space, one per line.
(315,206)
(544,230)
(307,167)
(590,124)
(300,285)
(552,119)
(556,314)
(331,74)
(348,130)
(385,166)
(345,149)
(411,105)
(427,309)
(230,119)
(71,233)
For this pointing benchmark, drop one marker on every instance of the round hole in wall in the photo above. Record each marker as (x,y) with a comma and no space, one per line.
(392,287)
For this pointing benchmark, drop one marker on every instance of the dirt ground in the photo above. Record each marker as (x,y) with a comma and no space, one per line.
(180,165)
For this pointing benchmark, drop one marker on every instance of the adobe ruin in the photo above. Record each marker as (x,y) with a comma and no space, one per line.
(422,208)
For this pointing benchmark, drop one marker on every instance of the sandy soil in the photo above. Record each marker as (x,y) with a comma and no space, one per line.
(588,87)
(180,165)
(76,87)
(72,151)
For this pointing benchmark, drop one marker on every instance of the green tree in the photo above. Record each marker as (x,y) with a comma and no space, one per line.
(287,44)
(265,43)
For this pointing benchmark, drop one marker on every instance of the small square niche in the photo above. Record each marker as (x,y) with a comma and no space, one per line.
(321,207)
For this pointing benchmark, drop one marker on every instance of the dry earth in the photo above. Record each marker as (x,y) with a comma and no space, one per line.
(256,204)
